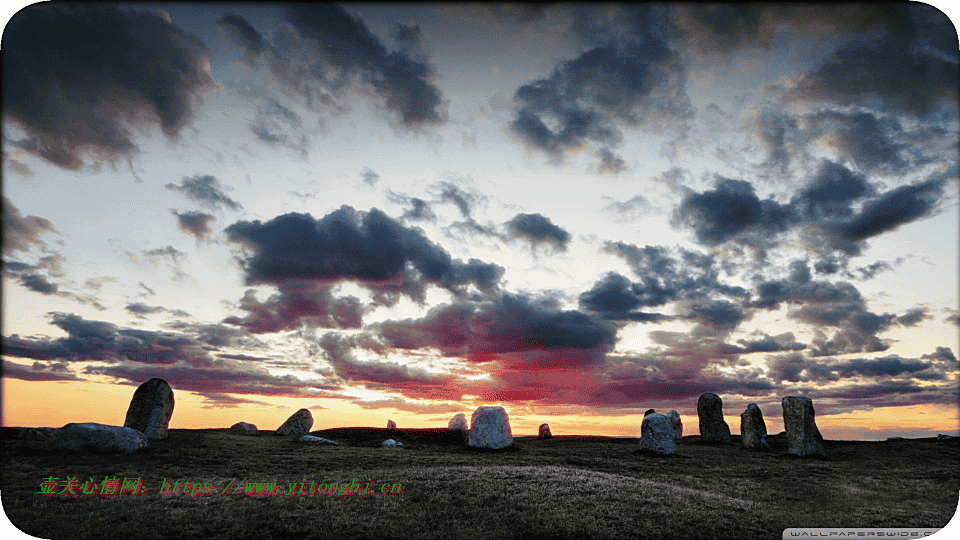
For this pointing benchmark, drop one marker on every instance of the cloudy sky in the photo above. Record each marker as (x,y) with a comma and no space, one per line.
(399,211)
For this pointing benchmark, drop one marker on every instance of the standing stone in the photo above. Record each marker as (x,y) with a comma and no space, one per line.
(391,424)
(99,438)
(544,432)
(243,428)
(458,422)
(649,411)
(803,437)
(151,408)
(657,435)
(674,417)
(713,428)
(490,428)
(299,423)
(753,432)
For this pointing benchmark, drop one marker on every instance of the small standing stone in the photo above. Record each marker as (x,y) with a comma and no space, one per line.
(753,432)
(490,428)
(458,422)
(713,428)
(803,437)
(151,408)
(657,435)
(674,417)
(544,432)
(391,424)
(299,423)
(243,428)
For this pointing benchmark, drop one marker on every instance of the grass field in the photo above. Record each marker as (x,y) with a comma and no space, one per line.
(564,487)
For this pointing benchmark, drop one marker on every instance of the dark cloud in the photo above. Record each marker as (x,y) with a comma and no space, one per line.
(206,190)
(721,315)
(830,193)
(538,230)
(37,372)
(615,297)
(100,70)
(867,140)
(251,40)
(264,134)
(20,232)
(779,133)
(297,304)
(610,163)
(463,200)
(376,374)
(196,224)
(369,177)
(797,368)
(913,317)
(38,283)
(141,310)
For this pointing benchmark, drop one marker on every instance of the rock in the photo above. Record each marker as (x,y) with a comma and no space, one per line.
(299,423)
(657,435)
(895,439)
(458,422)
(391,424)
(390,443)
(803,437)
(753,432)
(674,417)
(490,428)
(649,411)
(151,408)
(99,438)
(713,428)
(544,432)
(942,437)
(315,440)
(243,428)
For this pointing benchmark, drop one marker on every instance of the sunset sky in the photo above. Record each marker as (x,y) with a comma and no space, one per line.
(404,212)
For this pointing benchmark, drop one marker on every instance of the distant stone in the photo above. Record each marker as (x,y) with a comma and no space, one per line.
(895,439)
(713,428)
(490,428)
(151,408)
(657,435)
(315,440)
(243,428)
(803,437)
(99,438)
(753,432)
(299,423)
(649,411)
(391,424)
(390,443)
(458,422)
(674,417)
(544,432)
(942,437)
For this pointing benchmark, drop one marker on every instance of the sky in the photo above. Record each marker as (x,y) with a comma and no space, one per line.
(577,212)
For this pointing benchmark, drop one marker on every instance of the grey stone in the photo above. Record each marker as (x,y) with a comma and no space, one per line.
(649,411)
(391,424)
(390,443)
(713,428)
(942,437)
(151,408)
(490,428)
(753,432)
(544,432)
(674,417)
(244,428)
(657,435)
(315,440)
(803,437)
(99,438)
(299,423)
(458,422)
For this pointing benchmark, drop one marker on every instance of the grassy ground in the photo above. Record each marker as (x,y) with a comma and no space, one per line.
(565,487)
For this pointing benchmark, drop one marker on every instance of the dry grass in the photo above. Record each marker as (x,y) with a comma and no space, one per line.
(565,487)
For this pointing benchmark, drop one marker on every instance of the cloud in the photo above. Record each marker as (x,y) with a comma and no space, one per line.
(297,304)
(20,233)
(867,140)
(615,297)
(206,190)
(796,368)
(81,90)
(610,163)
(538,230)
(196,224)
(37,372)
(140,310)
(369,177)
(252,42)
(376,374)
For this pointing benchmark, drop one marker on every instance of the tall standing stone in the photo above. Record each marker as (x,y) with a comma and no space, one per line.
(544,432)
(299,423)
(391,424)
(803,437)
(458,422)
(657,435)
(490,428)
(753,432)
(150,409)
(674,417)
(713,428)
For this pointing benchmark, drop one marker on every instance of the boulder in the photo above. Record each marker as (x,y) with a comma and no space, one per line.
(803,437)
(753,432)
(713,428)
(391,424)
(99,438)
(544,432)
(390,443)
(299,423)
(458,422)
(674,417)
(243,428)
(657,435)
(315,440)
(151,408)
(490,428)
(942,437)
